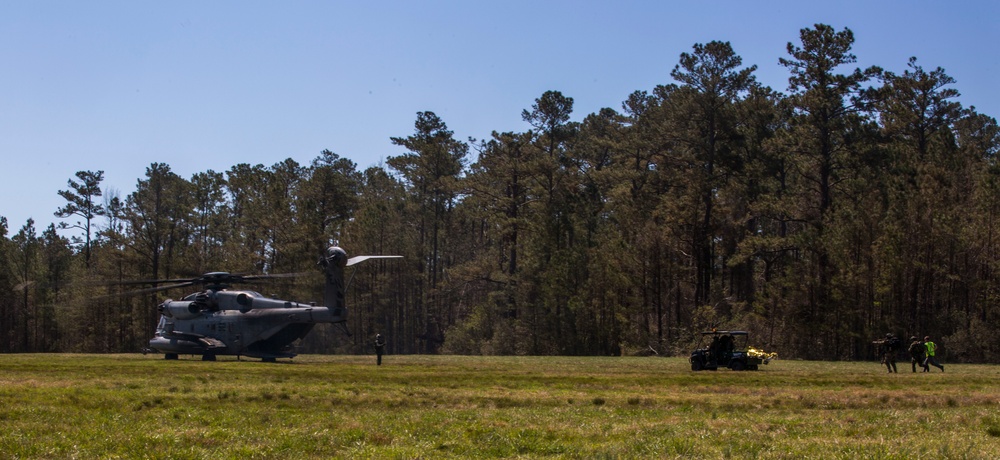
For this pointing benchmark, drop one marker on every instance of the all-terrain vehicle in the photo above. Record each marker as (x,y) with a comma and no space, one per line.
(724,349)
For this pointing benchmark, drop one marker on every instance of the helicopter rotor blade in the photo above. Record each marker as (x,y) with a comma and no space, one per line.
(359,259)
(150,281)
(213,280)
(154,289)
(275,276)
(164,288)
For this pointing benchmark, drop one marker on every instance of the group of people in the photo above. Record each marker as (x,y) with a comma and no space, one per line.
(922,352)
(721,348)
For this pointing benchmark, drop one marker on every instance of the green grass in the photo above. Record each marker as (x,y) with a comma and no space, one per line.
(131,406)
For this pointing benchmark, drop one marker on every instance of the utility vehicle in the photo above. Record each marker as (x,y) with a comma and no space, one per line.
(728,349)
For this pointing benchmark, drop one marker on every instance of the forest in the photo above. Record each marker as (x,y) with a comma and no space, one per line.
(855,203)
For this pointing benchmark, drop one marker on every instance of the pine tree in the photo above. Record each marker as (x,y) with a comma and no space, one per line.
(80,203)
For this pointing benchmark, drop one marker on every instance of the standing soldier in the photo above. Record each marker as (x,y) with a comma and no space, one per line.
(917,353)
(889,346)
(379,348)
(931,350)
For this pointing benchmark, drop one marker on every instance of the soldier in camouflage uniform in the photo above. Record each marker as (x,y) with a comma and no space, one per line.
(917,354)
(889,346)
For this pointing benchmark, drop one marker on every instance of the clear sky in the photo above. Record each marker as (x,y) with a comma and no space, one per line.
(200,85)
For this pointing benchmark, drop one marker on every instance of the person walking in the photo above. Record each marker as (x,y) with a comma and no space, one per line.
(379,348)
(930,360)
(917,354)
(888,346)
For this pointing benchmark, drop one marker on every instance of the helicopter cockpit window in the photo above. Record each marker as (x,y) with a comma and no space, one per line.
(164,326)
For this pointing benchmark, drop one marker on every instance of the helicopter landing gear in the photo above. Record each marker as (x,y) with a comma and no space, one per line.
(170,356)
(269,359)
(208,357)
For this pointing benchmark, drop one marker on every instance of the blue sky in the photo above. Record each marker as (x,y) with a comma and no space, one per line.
(116,86)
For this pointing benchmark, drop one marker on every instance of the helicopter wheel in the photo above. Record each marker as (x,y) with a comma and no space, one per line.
(208,357)
(170,356)
(269,360)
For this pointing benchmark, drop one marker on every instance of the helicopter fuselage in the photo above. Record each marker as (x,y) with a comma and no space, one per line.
(224,322)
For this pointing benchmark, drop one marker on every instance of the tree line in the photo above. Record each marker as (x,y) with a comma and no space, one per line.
(858,202)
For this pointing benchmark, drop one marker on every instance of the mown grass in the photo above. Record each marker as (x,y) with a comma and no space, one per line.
(130,406)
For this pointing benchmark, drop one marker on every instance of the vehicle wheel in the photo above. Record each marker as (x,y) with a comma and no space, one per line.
(737,365)
(696,365)
(208,357)
(170,356)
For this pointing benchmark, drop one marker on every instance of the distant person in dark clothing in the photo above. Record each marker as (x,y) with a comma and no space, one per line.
(931,351)
(918,353)
(889,345)
(379,348)
(714,350)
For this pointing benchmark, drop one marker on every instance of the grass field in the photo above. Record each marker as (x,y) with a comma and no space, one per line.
(134,406)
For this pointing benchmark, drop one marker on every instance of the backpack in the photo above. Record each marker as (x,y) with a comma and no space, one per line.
(893,344)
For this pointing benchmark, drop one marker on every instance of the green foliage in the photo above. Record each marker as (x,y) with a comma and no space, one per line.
(80,203)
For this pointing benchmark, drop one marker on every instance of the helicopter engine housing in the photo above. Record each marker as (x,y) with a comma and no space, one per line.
(180,309)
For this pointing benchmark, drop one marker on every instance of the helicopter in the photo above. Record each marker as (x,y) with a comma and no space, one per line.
(223,321)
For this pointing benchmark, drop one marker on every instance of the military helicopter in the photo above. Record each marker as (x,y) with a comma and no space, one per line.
(223,321)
